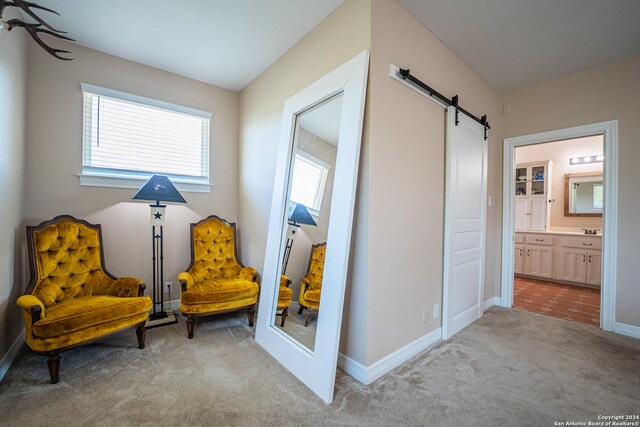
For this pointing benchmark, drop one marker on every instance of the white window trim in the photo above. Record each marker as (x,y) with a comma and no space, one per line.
(138,99)
(134,180)
(112,180)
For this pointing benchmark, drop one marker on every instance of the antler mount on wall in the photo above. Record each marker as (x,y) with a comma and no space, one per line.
(34,29)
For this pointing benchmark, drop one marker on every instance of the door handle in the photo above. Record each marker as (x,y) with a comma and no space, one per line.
(584,258)
(587,244)
(539,240)
(589,258)
(528,252)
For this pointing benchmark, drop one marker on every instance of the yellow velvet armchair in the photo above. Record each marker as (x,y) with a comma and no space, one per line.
(284,299)
(72,300)
(215,281)
(311,283)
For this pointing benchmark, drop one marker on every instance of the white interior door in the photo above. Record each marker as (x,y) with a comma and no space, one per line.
(465,225)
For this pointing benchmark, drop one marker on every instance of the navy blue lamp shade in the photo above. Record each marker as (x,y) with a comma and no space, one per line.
(301,216)
(160,189)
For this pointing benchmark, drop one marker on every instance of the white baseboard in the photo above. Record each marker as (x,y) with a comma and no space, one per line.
(172,305)
(11,354)
(368,374)
(491,302)
(628,330)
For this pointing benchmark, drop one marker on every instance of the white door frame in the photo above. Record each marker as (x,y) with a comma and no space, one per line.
(610,216)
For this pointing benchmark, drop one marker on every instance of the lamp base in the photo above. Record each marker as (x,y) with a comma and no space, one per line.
(161,319)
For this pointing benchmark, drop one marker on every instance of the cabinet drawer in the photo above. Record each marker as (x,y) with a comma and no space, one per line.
(519,238)
(582,242)
(534,239)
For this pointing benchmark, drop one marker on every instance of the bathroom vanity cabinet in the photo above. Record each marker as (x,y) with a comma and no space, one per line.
(558,256)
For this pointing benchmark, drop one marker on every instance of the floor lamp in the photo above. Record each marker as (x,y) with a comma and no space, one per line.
(160,189)
(299,216)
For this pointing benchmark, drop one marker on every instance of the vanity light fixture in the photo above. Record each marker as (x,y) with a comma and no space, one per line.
(586,159)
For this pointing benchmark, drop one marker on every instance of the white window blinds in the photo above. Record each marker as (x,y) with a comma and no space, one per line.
(309,180)
(132,135)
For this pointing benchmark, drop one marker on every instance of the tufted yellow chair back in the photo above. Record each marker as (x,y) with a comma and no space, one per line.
(66,260)
(214,250)
(316,266)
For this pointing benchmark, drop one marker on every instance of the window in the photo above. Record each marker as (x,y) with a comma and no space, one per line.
(309,180)
(129,138)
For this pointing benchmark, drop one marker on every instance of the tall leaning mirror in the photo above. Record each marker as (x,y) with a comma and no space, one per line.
(308,242)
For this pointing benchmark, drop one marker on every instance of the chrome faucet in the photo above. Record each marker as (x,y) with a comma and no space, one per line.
(593,231)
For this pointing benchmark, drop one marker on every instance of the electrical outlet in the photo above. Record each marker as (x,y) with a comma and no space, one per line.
(168,286)
(425,315)
(436,312)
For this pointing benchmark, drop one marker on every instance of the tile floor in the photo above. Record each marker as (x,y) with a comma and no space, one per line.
(558,300)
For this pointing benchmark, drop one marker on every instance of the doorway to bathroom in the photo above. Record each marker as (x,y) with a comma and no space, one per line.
(558,228)
(559,197)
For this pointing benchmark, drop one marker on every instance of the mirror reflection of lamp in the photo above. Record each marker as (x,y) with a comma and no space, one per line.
(299,216)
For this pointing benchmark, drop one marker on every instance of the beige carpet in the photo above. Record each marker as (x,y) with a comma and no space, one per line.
(294,326)
(509,368)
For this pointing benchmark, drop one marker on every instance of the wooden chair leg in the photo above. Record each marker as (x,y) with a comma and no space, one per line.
(141,332)
(307,315)
(300,311)
(285,312)
(190,323)
(54,367)
(251,314)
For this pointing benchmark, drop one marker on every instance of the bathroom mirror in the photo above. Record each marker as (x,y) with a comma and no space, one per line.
(583,194)
(310,225)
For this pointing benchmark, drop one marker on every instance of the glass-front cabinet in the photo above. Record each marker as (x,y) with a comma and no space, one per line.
(533,195)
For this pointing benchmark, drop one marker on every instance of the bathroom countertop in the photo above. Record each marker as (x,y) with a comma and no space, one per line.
(561,232)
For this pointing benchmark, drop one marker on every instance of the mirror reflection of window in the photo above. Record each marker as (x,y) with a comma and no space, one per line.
(597,197)
(309,181)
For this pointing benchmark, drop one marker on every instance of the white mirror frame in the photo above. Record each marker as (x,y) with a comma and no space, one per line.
(316,369)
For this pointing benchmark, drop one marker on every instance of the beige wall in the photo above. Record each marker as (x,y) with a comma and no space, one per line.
(559,153)
(342,35)
(610,91)
(13,87)
(407,193)
(54,150)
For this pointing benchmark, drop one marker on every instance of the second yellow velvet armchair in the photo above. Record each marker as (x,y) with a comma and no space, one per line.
(215,281)
(311,283)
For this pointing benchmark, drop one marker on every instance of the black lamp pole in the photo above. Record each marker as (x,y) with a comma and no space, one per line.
(158,268)
(158,188)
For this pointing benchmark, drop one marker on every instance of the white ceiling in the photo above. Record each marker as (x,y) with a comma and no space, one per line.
(512,43)
(227,43)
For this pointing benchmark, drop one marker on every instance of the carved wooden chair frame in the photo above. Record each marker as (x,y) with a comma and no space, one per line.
(53,361)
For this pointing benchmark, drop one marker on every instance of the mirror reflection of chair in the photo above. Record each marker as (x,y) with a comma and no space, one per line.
(311,283)
(72,300)
(215,281)
(284,299)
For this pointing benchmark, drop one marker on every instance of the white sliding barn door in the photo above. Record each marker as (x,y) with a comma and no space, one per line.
(465,224)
